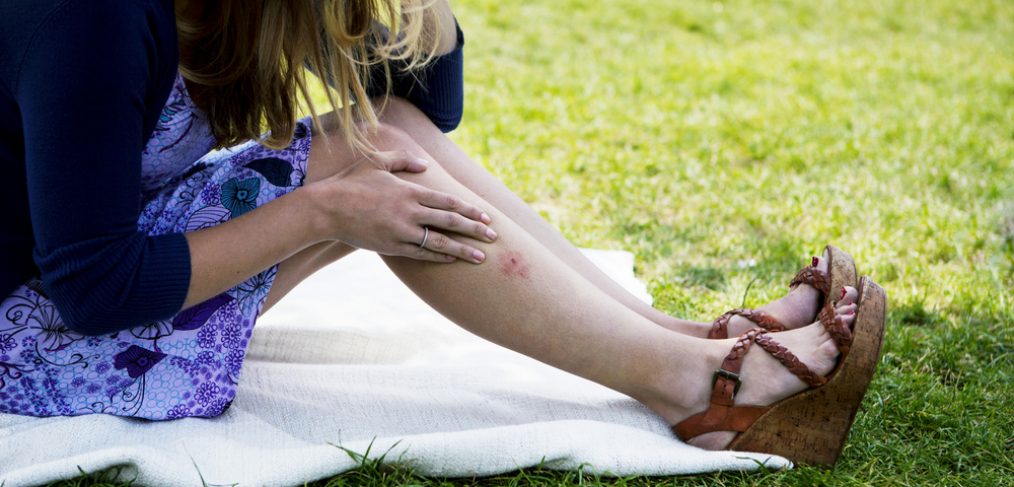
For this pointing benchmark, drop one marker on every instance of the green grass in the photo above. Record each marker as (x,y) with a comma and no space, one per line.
(704,136)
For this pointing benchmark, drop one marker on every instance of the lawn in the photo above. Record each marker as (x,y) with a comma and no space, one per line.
(725,142)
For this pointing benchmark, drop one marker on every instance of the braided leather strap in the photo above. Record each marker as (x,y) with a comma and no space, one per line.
(722,413)
(790,361)
(727,376)
(720,327)
(839,331)
(817,278)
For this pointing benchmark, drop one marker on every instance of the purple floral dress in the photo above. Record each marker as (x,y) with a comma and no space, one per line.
(188,365)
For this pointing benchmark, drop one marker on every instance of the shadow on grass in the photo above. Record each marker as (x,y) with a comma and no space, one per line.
(713,278)
(914,314)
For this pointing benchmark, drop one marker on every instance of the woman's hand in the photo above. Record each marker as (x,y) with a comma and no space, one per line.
(368,207)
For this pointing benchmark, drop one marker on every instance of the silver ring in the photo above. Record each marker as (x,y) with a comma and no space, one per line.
(426,236)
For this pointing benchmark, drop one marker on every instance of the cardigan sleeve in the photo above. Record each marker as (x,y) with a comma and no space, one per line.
(436,89)
(83,90)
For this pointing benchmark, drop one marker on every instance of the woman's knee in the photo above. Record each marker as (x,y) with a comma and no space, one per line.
(389,137)
(400,113)
(331,153)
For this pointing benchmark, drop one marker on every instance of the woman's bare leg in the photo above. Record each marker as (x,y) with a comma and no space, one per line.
(798,308)
(525,298)
(293,270)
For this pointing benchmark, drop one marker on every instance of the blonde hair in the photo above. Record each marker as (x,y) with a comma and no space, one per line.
(250,58)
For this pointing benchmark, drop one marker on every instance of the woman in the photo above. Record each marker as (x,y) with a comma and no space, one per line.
(137,258)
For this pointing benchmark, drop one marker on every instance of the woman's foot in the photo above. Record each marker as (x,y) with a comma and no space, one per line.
(796,309)
(764,380)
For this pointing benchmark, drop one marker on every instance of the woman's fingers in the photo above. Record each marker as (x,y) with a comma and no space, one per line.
(442,244)
(418,253)
(395,161)
(443,201)
(456,223)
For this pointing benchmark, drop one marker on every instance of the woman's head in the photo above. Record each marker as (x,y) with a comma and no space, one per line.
(250,57)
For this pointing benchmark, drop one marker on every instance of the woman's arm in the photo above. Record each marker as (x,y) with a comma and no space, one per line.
(224,255)
(437,89)
(85,90)
(216,265)
(89,76)
(365,206)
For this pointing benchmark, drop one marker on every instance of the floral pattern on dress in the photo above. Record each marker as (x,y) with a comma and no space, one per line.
(240,196)
(183,366)
(181,136)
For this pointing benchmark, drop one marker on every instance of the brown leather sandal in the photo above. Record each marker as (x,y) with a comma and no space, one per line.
(811,426)
(841,272)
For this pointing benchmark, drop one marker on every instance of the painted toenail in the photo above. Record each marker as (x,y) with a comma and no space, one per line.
(843,292)
(814,262)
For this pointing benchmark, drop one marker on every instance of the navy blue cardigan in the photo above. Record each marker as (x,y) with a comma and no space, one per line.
(82,83)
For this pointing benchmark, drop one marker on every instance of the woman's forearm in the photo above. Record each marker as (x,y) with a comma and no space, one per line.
(227,254)
(363,205)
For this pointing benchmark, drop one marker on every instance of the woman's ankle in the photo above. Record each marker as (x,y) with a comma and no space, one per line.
(677,391)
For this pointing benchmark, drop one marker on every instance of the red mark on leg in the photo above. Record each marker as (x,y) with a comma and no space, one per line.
(511,264)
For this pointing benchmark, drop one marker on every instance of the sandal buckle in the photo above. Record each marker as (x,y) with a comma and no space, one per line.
(727,375)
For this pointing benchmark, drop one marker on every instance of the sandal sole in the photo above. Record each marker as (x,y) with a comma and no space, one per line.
(842,269)
(811,427)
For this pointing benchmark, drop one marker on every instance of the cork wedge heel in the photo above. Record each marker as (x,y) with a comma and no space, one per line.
(809,427)
(841,272)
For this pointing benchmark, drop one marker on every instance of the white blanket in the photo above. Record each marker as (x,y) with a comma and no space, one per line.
(352,360)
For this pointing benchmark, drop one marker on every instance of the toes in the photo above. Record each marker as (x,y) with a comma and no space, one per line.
(846,309)
(821,262)
(849,295)
(846,313)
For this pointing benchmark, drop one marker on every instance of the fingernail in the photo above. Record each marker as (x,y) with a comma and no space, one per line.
(485,218)
(490,234)
(843,292)
(814,262)
(851,312)
(422,161)
(478,256)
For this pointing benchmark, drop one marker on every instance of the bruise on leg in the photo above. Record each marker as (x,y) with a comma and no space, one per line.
(511,264)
